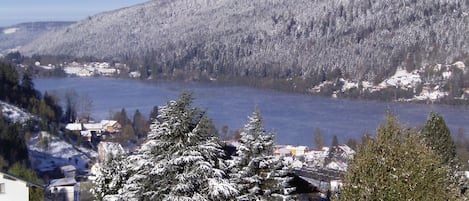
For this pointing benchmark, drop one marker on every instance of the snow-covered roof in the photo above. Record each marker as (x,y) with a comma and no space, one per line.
(347,150)
(73,126)
(106,123)
(68,168)
(337,165)
(63,182)
(93,126)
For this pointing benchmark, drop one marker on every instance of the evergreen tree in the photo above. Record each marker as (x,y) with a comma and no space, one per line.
(318,138)
(259,175)
(153,115)
(396,166)
(332,150)
(110,177)
(438,136)
(140,124)
(181,160)
(122,118)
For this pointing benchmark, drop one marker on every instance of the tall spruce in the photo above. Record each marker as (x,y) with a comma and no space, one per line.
(110,177)
(181,160)
(259,174)
(396,165)
(438,136)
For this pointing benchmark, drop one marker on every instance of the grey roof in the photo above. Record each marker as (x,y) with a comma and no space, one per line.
(63,182)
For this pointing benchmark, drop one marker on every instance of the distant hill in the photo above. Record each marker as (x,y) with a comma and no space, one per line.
(16,36)
(312,40)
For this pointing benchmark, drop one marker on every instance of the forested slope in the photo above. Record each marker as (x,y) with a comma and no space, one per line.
(307,39)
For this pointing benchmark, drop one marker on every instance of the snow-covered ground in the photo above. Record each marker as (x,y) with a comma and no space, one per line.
(10,30)
(403,79)
(13,113)
(58,153)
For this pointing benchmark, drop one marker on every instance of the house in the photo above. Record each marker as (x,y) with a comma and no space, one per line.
(111,126)
(65,189)
(94,128)
(290,150)
(15,188)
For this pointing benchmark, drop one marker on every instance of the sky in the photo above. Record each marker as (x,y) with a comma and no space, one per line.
(17,11)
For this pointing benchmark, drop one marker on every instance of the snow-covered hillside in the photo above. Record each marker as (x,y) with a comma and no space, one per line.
(13,113)
(51,152)
(274,38)
(16,36)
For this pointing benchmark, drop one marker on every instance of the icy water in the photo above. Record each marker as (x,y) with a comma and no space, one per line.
(293,117)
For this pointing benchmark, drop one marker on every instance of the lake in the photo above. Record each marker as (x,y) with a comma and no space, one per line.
(292,117)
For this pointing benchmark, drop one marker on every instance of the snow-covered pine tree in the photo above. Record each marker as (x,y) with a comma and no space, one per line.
(110,177)
(259,174)
(181,160)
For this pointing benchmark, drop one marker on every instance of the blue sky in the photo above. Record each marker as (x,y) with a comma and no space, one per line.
(17,11)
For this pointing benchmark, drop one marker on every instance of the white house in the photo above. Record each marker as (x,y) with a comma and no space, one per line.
(15,188)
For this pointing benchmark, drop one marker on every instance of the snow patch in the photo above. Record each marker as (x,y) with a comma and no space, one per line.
(402,78)
(10,30)
(13,113)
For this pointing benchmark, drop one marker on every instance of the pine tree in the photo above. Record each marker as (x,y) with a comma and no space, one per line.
(258,174)
(181,160)
(438,136)
(139,124)
(396,166)
(318,138)
(110,177)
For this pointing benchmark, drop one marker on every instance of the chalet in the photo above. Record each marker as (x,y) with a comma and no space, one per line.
(15,188)
(65,189)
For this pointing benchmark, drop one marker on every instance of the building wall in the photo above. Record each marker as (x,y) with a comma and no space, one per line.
(14,190)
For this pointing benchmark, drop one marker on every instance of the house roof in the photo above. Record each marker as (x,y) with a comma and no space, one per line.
(106,123)
(93,126)
(63,182)
(16,178)
(73,127)
(68,168)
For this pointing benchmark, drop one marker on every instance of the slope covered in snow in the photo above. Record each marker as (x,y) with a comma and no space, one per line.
(366,40)
(48,152)
(16,36)
(13,113)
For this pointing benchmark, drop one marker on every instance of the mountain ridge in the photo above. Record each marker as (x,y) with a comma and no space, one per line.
(361,39)
(15,36)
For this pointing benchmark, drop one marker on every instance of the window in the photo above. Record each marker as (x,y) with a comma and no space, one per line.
(2,188)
